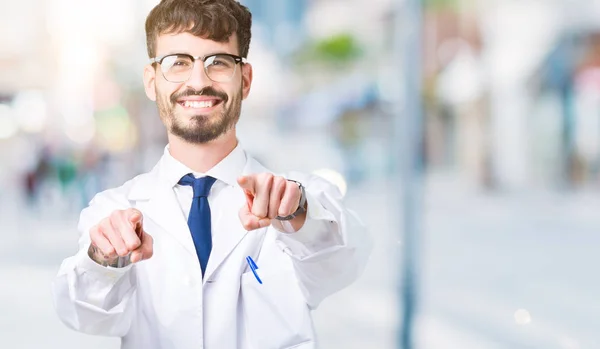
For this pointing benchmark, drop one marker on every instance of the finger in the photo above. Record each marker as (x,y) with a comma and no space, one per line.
(128,232)
(260,206)
(247,183)
(102,243)
(136,218)
(290,199)
(138,254)
(249,199)
(276,194)
(113,235)
(250,221)
(145,251)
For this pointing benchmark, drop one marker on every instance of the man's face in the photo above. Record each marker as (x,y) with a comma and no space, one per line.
(198,110)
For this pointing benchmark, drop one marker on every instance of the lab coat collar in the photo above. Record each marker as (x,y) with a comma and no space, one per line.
(227,170)
(168,171)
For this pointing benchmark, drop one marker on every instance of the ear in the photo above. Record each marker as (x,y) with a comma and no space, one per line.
(150,82)
(246,79)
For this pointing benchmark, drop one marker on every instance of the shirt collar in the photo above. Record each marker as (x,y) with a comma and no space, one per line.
(227,170)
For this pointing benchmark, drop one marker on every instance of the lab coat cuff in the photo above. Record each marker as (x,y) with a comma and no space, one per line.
(320,230)
(108,274)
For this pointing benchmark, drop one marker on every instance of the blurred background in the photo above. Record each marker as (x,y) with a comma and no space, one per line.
(504,222)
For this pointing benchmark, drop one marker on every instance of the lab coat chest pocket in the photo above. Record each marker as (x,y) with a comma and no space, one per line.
(275,313)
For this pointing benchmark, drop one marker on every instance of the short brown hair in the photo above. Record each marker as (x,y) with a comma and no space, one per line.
(215,20)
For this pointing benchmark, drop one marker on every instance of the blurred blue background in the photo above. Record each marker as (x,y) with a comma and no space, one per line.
(508,228)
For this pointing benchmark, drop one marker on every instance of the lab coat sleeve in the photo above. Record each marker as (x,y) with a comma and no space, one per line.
(331,249)
(87,296)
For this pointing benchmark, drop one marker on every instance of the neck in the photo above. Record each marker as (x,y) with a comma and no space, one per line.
(202,157)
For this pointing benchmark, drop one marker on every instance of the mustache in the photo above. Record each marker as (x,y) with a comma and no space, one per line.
(206,91)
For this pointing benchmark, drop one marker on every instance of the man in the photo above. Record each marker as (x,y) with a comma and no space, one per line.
(209,249)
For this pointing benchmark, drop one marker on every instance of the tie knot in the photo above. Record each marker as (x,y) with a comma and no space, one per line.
(201,185)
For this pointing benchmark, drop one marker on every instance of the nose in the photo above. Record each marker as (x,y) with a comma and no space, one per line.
(198,78)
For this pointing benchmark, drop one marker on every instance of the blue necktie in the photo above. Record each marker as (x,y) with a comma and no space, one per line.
(199,219)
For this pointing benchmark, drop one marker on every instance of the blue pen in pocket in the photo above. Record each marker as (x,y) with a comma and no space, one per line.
(253,267)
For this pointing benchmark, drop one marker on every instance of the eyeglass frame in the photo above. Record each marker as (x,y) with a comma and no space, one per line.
(236,58)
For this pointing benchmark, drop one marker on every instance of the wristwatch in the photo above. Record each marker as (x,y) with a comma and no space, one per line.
(301,207)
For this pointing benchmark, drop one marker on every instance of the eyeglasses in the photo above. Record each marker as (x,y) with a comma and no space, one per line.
(219,67)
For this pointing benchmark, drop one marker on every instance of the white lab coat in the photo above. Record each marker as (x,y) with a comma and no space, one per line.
(164,303)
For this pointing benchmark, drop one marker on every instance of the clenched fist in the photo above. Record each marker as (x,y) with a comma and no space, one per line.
(269,196)
(120,235)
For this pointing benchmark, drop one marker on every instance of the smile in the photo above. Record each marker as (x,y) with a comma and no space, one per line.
(199,104)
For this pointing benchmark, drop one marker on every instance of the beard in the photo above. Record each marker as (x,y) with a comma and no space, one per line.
(201,128)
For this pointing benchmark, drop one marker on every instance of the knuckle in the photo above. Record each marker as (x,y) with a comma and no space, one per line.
(122,251)
(132,245)
(266,177)
(109,250)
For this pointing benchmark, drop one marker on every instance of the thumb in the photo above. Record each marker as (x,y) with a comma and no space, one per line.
(250,221)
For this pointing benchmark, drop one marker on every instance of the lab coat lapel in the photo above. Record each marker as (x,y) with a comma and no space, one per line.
(227,229)
(158,202)
(164,209)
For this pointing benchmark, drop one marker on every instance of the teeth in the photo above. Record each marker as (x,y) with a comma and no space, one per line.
(198,104)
